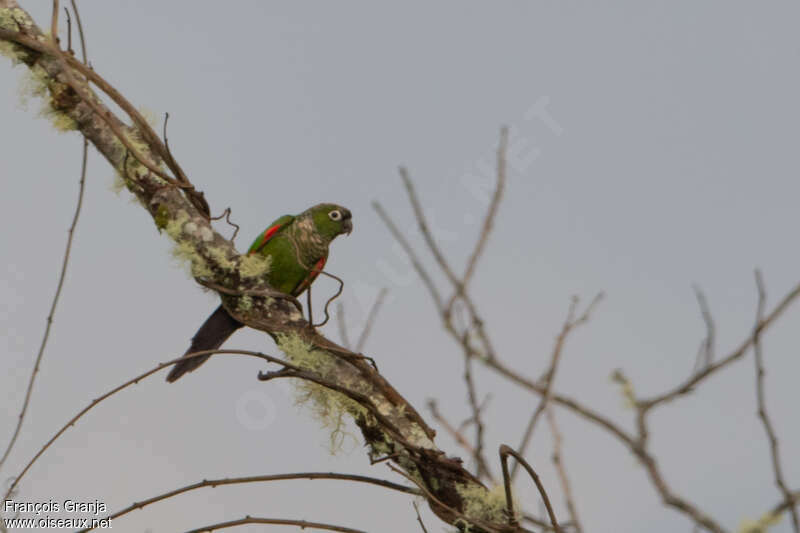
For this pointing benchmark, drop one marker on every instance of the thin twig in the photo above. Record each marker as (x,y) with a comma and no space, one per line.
(422,222)
(505,451)
(127,384)
(558,462)
(214,483)
(472,398)
(415,262)
(689,385)
(342,322)
(260,293)
(762,404)
(488,222)
(54,304)
(419,518)
(459,438)
(636,444)
(707,350)
(80,31)
(328,303)
(302,524)
(69,32)
(142,125)
(373,312)
(471,419)
(54,23)
(310,309)
(793,499)
(570,323)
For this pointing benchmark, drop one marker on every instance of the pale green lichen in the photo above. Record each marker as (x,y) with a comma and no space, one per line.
(10,51)
(61,121)
(254,266)
(219,254)
(32,83)
(117,183)
(185,253)
(174,227)
(761,525)
(9,22)
(331,408)
(245,303)
(12,17)
(184,250)
(483,505)
(36,82)
(134,139)
(419,438)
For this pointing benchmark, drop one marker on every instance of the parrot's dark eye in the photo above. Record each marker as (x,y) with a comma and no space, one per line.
(335,215)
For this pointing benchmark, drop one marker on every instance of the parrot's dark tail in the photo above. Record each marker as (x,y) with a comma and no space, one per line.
(214,331)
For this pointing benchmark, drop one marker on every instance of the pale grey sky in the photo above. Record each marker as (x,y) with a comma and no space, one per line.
(667,157)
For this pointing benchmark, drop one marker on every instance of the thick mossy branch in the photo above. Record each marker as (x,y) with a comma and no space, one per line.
(339,382)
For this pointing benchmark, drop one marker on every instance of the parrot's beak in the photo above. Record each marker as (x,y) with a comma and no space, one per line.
(348,226)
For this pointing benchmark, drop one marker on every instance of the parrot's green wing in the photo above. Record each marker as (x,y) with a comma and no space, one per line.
(264,237)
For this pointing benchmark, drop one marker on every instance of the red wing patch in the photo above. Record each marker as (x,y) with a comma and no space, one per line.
(268,234)
(312,275)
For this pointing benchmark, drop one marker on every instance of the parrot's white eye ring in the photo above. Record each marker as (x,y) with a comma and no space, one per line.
(335,215)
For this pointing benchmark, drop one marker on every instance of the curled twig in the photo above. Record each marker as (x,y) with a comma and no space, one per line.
(227,215)
(505,451)
(330,300)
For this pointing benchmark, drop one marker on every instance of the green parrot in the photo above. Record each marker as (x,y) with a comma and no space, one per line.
(298,248)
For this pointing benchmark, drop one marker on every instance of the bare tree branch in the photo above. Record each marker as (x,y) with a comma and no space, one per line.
(637,444)
(558,462)
(570,323)
(505,451)
(783,506)
(46,336)
(460,439)
(373,313)
(488,222)
(707,347)
(214,483)
(182,212)
(127,384)
(419,518)
(302,524)
(762,404)
(689,385)
(401,240)
(65,260)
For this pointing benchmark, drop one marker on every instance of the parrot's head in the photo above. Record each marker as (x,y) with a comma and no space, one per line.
(331,220)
